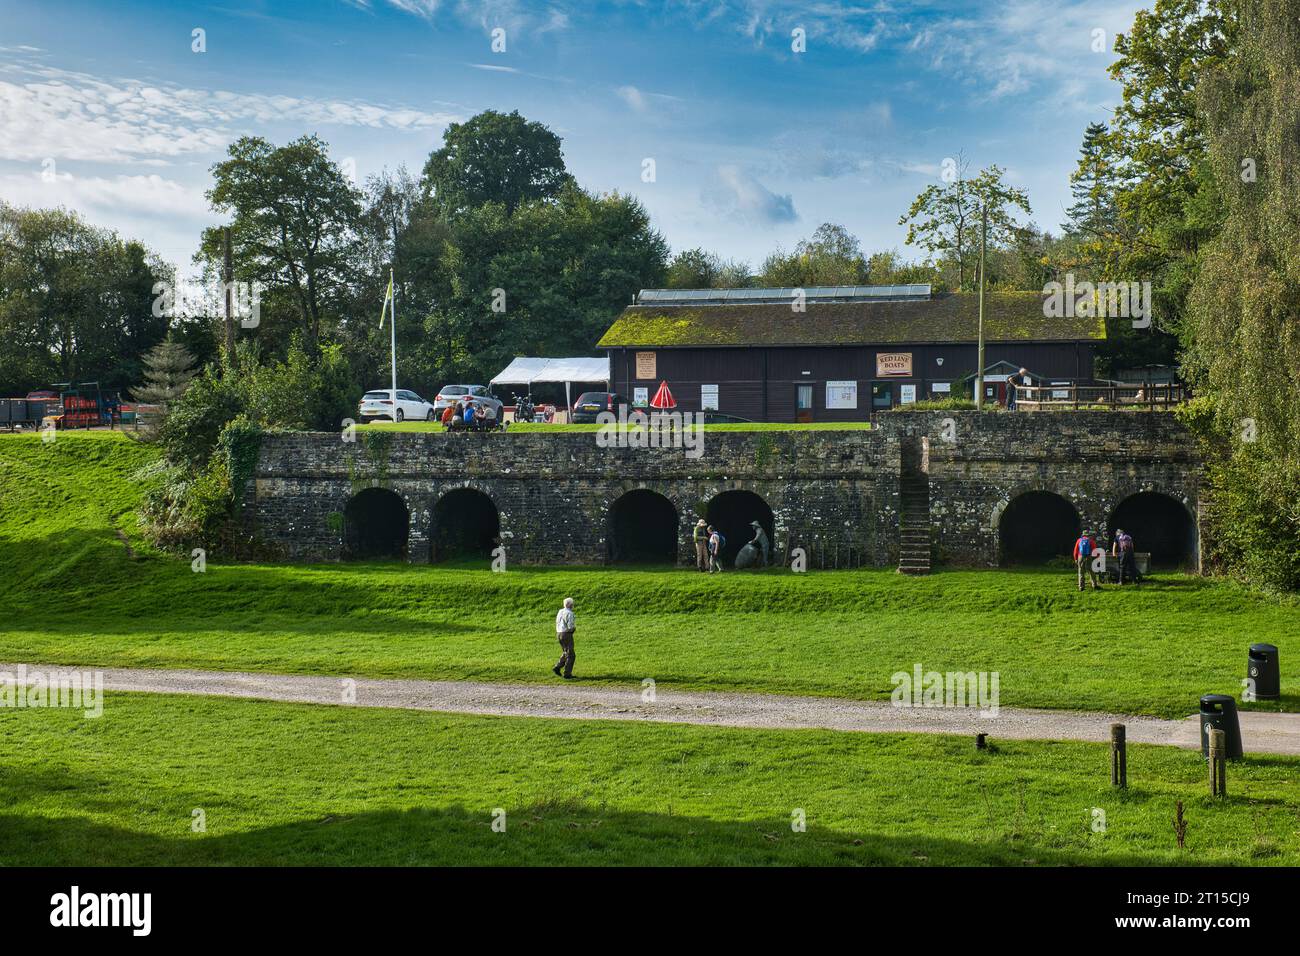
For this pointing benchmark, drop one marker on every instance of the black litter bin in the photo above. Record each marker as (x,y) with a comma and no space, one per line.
(1219,712)
(1262,667)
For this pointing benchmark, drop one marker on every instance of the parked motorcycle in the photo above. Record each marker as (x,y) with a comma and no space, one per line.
(524,408)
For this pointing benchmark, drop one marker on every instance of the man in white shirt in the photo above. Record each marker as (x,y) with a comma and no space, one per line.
(564,627)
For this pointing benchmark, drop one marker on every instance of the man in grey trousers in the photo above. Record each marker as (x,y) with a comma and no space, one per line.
(564,627)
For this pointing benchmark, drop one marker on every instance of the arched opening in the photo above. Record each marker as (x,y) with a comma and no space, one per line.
(1036,527)
(731,513)
(375,525)
(465,525)
(1159,524)
(644,529)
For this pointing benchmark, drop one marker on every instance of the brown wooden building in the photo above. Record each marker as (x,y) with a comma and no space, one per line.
(849,352)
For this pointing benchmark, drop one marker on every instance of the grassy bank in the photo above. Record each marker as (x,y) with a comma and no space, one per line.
(348,786)
(80,588)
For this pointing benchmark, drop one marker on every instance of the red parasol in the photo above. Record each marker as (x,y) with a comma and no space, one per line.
(663,398)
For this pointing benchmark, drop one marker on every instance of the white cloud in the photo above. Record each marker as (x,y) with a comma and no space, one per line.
(67,115)
(141,196)
(632,97)
(735,191)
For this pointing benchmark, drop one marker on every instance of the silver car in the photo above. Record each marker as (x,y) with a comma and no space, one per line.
(478,394)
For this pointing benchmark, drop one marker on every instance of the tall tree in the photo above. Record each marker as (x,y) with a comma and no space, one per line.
(947,219)
(76,302)
(831,256)
(700,269)
(294,221)
(1093,186)
(494,157)
(546,280)
(1244,308)
(1157,141)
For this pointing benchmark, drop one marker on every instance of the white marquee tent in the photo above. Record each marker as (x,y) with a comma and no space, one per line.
(526,371)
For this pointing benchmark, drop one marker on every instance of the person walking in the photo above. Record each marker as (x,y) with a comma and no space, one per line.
(715,549)
(1083,560)
(565,624)
(701,538)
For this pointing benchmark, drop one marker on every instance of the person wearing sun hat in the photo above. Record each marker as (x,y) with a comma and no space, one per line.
(701,539)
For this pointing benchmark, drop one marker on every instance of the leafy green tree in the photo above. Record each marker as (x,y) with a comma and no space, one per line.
(699,269)
(494,158)
(947,219)
(76,302)
(888,267)
(294,219)
(831,256)
(1244,306)
(1165,200)
(546,280)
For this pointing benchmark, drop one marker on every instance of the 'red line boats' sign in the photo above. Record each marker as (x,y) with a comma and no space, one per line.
(893,363)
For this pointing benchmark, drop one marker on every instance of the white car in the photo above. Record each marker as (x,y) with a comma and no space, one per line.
(400,406)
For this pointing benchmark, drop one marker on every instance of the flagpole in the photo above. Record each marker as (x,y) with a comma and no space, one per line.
(392,311)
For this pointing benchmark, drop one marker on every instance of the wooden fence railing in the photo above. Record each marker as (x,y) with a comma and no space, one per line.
(1031,398)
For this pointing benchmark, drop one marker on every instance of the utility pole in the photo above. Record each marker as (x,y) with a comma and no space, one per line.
(228,280)
(979,364)
(393,331)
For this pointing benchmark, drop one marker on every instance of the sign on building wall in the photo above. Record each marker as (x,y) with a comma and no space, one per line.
(893,363)
(709,398)
(640,396)
(645,365)
(906,394)
(841,394)
(941,387)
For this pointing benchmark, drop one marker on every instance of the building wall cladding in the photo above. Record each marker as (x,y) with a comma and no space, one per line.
(740,373)
(835,494)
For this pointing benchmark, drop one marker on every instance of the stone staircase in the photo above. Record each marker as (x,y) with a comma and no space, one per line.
(914,512)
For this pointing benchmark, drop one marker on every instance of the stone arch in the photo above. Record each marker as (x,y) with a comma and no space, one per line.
(464,523)
(1035,525)
(643,528)
(1160,522)
(376,522)
(731,511)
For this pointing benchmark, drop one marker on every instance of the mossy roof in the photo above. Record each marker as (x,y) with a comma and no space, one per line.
(945,318)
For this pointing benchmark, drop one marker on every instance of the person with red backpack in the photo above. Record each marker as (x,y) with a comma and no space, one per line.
(1083,559)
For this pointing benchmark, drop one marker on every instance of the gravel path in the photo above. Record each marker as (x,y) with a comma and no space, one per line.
(1261,733)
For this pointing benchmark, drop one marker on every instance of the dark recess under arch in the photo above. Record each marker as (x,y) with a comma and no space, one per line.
(1035,527)
(465,525)
(643,526)
(731,513)
(375,525)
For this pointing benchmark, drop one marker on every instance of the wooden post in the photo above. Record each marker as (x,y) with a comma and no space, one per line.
(1218,764)
(1118,756)
(981,741)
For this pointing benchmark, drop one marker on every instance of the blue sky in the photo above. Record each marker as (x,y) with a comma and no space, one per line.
(105,107)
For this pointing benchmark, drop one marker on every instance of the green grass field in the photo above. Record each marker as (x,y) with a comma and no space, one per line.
(74,596)
(299,784)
